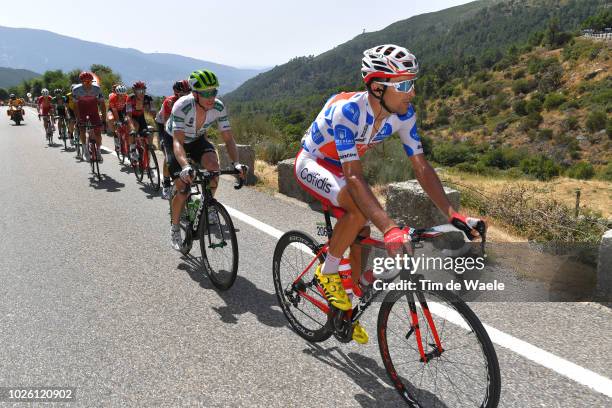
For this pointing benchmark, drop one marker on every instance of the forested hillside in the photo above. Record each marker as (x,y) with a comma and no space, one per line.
(453,43)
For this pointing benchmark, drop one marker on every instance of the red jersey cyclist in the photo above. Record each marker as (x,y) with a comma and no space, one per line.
(89,102)
(329,167)
(117,107)
(45,108)
(138,103)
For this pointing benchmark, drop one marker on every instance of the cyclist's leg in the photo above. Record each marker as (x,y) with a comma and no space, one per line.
(210,161)
(327,183)
(71,121)
(110,123)
(166,143)
(175,170)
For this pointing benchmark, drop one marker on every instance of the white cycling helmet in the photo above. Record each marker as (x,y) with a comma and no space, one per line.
(44,92)
(388,61)
(121,90)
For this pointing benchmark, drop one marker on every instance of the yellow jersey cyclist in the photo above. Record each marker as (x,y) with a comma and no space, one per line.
(191,116)
(328,166)
(71,114)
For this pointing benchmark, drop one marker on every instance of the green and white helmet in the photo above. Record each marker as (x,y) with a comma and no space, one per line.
(203,79)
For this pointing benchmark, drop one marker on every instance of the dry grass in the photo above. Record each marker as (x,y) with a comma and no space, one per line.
(595,195)
(267,176)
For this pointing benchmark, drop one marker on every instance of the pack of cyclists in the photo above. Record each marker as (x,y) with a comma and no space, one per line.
(348,125)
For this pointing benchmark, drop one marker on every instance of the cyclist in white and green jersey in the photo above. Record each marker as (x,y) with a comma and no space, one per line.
(191,116)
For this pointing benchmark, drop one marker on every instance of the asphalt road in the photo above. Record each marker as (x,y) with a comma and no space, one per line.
(93,297)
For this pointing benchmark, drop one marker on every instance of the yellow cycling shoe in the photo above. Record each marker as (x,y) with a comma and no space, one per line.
(360,335)
(334,291)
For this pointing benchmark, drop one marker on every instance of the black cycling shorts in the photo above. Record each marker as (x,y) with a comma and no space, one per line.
(142,123)
(61,110)
(194,150)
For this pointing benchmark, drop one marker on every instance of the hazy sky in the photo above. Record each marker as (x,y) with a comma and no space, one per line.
(238,33)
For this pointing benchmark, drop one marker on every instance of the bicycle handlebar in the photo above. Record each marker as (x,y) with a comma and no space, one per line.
(427,234)
(207,175)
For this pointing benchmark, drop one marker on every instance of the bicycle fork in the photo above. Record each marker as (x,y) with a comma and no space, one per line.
(415,328)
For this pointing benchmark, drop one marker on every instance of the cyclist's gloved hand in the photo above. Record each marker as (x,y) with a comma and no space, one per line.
(395,239)
(186,174)
(241,168)
(471,227)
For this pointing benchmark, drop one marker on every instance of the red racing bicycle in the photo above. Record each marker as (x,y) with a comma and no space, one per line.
(434,348)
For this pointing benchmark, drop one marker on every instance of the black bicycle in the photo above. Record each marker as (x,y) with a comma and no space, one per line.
(92,146)
(61,127)
(78,146)
(147,160)
(206,219)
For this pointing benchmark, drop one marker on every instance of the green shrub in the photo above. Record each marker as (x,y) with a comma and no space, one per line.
(531,121)
(502,158)
(571,123)
(571,104)
(596,121)
(272,152)
(533,105)
(519,74)
(553,101)
(451,154)
(581,170)
(545,134)
(520,107)
(605,173)
(523,86)
(539,167)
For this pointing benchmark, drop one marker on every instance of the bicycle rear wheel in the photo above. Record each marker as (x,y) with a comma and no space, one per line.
(153,170)
(293,252)
(465,373)
(219,246)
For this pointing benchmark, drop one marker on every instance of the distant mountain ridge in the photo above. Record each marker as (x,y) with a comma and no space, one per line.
(11,77)
(41,50)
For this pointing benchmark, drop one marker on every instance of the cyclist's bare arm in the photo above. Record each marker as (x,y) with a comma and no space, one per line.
(230,144)
(428,179)
(76,111)
(102,106)
(362,194)
(177,145)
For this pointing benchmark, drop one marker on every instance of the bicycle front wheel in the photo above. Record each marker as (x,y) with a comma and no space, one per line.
(153,170)
(463,372)
(137,165)
(294,251)
(219,246)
